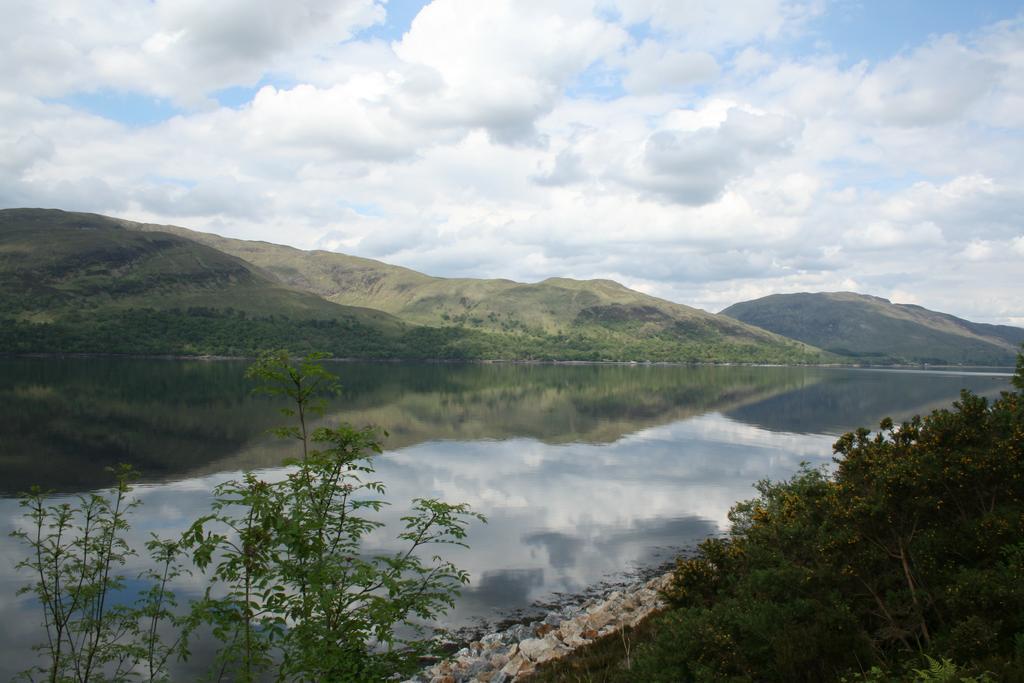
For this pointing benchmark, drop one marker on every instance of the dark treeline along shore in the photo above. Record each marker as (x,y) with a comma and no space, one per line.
(84,283)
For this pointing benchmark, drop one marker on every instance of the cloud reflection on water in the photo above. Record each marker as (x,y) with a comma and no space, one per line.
(571,499)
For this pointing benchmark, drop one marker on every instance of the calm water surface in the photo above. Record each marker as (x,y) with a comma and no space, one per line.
(583,471)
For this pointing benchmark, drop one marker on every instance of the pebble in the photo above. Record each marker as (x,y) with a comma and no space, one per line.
(505,656)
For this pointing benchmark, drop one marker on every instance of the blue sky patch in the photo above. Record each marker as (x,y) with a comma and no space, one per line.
(128,108)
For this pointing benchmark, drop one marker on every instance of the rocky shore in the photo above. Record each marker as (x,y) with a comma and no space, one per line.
(511,654)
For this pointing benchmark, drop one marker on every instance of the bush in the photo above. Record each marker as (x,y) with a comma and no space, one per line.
(906,561)
(290,588)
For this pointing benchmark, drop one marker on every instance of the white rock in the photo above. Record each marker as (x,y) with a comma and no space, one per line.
(531,648)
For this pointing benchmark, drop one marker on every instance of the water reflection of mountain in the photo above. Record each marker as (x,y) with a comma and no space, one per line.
(63,420)
(842,400)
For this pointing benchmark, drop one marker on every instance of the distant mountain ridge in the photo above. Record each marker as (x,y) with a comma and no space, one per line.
(604,311)
(552,305)
(874,329)
(74,282)
(53,261)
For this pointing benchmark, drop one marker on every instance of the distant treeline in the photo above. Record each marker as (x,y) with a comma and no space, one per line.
(227,332)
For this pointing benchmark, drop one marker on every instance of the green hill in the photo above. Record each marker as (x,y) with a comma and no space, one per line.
(557,318)
(74,282)
(874,329)
(54,262)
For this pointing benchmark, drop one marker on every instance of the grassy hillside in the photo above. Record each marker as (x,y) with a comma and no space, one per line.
(556,318)
(53,263)
(72,282)
(82,283)
(871,328)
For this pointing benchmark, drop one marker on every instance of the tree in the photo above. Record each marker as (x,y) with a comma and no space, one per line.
(76,549)
(299,593)
(907,555)
(291,588)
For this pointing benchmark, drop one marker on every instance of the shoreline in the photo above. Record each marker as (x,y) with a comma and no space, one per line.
(509,361)
(511,650)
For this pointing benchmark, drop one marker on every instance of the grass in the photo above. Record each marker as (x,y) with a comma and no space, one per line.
(556,306)
(90,275)
(608,659)
(54,263)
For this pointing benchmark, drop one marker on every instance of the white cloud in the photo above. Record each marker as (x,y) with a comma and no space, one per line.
(654,67)
(695,166)
(176,49)
(704,24)
(934,84)
(978,250)
(705,157)
(885,235)
(500,64)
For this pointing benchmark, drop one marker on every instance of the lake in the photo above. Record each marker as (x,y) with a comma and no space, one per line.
(584,471)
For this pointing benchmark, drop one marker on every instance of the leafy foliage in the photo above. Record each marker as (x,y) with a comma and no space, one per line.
(291,589)
(903,563)
(76,550)
(199,331)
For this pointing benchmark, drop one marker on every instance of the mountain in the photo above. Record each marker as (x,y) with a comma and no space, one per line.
(561,317)
(74,282)
(53,262)
(875,329)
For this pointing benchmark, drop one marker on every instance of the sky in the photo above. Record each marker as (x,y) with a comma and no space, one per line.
(702,151)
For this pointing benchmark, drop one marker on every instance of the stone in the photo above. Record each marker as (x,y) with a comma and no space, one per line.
(477,667)
(504,656)
(516,665)
(599,618)
(570,628)
(543,649)
(491,639)
(516,633)
(571,611)
(531,648)
(574,641)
